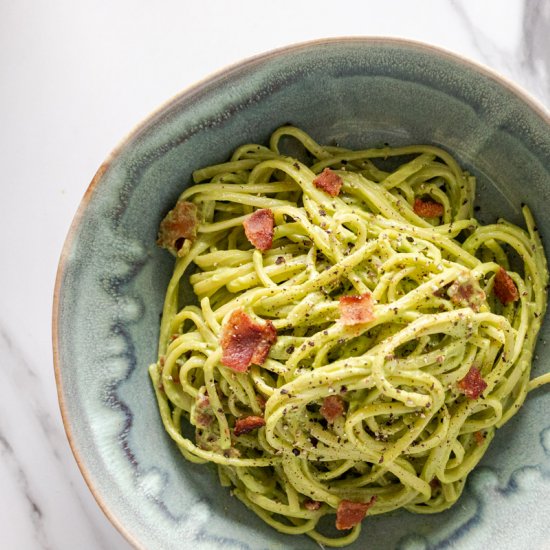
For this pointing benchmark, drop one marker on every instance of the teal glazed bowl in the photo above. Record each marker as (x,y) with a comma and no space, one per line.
(112,279)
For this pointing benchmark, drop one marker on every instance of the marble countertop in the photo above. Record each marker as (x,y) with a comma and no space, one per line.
(76,77)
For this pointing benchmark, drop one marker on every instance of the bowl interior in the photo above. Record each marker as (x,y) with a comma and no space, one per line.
(112,281)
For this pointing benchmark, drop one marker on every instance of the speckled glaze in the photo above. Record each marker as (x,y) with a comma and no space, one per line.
(112,279)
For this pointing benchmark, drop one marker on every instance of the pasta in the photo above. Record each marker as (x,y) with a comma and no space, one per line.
(340,332)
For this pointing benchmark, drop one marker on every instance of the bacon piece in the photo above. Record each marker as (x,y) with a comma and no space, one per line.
(504,288)
(261,401)
(428,209)
(203,420)
(203,401)
(312,504)
(248,424)
(472,385)
(332,408)
(330,182)
(202,414)
(179,224)
(355,310)
(258,228)
(349,513)
(466,292)
(480,438)
(435,484)
(245,342)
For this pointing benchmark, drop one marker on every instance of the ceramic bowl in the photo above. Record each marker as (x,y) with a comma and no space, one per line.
(112,279)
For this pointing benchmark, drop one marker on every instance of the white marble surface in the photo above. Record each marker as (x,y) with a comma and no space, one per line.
(75,78)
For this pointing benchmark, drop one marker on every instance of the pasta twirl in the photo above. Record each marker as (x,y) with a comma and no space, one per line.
(356,336)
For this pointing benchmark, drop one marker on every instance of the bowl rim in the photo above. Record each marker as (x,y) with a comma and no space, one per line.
(187,93)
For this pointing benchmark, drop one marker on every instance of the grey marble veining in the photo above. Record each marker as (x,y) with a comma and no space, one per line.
(12,463)
(73,83)
(36,457)
(526,61)
(534,56)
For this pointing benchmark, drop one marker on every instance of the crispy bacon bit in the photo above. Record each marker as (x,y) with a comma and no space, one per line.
(248,424)
(258,228)
(312,504)
(203,401)
(332,408)
(355,310)
(435,484)
(179,224)
(202,414)
(466,292)
(472,385)
(480,438)
(505,289)
(245,342)
(350,513)
(261,401)
(330,182)
(203,420)
(427,209)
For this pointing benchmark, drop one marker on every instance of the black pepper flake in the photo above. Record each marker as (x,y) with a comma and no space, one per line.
(295,452)
(314,441)
(290,349)
(311,343)
(297,166)
(410,239)
(322,212)
(279,260)
(284,391)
